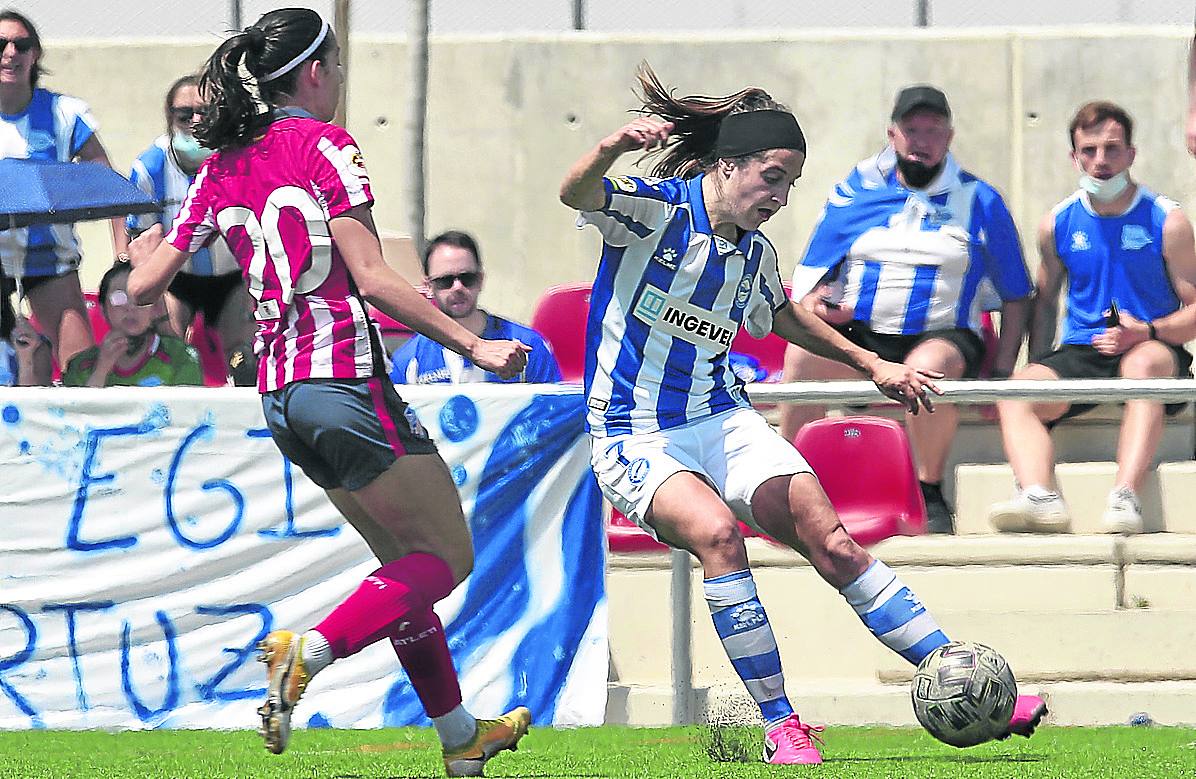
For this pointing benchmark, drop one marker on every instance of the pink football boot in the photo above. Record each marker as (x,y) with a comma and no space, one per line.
(789,743)
(1027,713)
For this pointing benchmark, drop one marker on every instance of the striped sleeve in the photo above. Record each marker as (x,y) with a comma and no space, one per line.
(195,225)
(635,208)
(74,123)
(339,172)
(144,180)
(1001,247)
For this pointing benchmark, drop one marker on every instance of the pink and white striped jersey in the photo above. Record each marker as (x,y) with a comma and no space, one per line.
(272,202)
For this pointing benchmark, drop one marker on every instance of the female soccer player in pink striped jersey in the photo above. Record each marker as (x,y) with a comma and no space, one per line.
(290,195)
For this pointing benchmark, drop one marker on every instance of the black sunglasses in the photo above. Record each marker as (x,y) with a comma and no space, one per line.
(22,45)
(183,113)
(467,279)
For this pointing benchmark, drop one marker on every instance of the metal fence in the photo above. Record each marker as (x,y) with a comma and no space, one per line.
(136,18)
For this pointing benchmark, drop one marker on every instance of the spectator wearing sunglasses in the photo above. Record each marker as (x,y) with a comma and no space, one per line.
(452,267)
(42,261)
(210,281)
(132,353)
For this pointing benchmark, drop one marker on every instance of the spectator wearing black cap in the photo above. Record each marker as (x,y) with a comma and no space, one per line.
(906,256)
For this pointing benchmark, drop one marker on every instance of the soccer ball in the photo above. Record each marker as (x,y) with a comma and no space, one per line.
(964,694)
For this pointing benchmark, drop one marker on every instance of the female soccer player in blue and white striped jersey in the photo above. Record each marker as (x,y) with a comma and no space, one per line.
(676,445)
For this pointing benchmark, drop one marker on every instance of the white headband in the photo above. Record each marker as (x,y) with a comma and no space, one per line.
(303,56)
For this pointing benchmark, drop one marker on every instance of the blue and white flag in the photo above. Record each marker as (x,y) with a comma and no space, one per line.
(150,539)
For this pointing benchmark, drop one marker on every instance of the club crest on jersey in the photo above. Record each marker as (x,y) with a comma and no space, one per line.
(638,470)
(1079,241)
(38,141)
(667,314)
(744,291)
(623,183)
(1135,237)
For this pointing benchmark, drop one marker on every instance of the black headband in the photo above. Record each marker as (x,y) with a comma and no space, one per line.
(753,131)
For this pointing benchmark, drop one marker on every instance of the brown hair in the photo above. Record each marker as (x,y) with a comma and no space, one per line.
(696,119)
(1098,112)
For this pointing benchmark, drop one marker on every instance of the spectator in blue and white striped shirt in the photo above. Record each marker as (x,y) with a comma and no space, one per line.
(210,281)
(42,261)
(909,249)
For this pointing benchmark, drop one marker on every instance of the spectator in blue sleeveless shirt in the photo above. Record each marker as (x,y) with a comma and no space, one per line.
(1128,258)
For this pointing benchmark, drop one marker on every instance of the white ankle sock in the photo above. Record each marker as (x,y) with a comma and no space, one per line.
(317,654)
(456,728)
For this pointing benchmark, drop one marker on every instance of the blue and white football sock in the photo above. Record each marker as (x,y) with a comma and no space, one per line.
(742,626)
(893,613)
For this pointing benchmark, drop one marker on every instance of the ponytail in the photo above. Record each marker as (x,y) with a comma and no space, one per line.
(234,115)
(255,71)
(696,120)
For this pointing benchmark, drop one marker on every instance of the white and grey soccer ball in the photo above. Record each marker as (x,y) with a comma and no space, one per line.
(964,694)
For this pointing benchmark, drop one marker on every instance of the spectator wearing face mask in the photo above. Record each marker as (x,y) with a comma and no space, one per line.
(210,281)
(905,257)
(132,353)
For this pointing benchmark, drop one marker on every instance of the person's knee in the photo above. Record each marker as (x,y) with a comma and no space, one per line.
(842,559)
(1148,361)
(719,539)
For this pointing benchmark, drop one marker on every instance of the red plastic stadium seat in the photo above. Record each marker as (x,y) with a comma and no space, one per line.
(988,334)
(867,471)
(769,350)
(95,314)
(623,535)
(207,343)
(560,317)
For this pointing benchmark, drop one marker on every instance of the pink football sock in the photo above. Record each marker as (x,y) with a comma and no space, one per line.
(420,643)
(400,591)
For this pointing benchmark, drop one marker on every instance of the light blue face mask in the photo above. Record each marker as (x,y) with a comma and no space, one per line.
(188,151)
(1105,190)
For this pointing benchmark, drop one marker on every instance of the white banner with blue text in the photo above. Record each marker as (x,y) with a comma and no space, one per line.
(150,537)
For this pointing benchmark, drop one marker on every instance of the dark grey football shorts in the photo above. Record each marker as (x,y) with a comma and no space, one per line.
(343,433)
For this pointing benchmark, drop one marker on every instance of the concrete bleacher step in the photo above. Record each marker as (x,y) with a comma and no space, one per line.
(1080,616)
(1167,496)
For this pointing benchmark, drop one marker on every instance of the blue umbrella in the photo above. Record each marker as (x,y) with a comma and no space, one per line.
(51,192)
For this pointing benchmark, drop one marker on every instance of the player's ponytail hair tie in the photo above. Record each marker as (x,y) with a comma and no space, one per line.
(749,132)
(303,55)
(256,37)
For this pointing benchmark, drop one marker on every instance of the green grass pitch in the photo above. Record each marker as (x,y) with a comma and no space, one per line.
(876,753)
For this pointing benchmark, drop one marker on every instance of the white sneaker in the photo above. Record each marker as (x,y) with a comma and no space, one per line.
(1033,510)
(1123,513)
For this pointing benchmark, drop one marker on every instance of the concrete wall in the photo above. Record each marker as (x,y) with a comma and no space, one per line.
(508,115)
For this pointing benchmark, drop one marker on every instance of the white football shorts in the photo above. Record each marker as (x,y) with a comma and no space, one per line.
(735,452)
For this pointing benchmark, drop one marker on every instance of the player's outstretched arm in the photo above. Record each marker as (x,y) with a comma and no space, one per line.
(582,188)
(357,238)
(154,264)
(806,329)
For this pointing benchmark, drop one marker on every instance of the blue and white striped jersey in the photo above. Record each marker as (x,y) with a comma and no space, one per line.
(157,174)
(1113,258)
(668,298)
(52,127)
(910,261)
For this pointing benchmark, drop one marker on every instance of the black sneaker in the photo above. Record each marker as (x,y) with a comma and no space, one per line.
(939,519)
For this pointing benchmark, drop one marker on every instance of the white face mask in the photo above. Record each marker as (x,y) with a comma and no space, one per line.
(1105,190)
(188,151)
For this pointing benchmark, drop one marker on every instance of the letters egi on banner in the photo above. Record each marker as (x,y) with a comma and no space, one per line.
(150,537)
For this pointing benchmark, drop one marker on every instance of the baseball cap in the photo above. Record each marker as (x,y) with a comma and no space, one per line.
(921,96)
